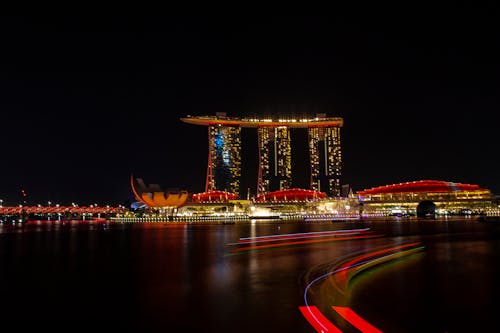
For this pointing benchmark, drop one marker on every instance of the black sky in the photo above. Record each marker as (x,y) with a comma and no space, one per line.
(85,102)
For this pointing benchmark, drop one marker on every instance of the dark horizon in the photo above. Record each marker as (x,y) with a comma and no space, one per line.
(86,103)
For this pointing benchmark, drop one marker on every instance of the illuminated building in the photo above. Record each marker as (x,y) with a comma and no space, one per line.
(214,196)
(430,196)
(224,158)
(291,195)
(326,159)
(275,159)
(153,196)
(275,153)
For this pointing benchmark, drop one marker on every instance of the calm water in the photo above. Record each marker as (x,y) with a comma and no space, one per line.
(192,277)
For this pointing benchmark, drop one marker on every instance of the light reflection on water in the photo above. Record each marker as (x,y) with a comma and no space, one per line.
(181,276)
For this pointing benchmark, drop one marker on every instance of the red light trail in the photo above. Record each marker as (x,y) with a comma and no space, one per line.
(318,320)
(340,273)
(355,320)
(309,241)
(277,241)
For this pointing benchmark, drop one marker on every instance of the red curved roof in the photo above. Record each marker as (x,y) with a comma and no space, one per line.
(421,186)
(218,196)
(291,194)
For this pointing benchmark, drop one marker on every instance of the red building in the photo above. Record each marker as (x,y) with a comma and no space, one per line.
(291,195)
(439,197)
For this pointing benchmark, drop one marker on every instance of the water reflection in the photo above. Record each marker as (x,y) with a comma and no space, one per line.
(192,277)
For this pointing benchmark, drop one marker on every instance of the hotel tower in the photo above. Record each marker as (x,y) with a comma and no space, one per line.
(274,152)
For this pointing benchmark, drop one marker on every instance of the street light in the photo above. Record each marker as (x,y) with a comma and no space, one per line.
(48,213)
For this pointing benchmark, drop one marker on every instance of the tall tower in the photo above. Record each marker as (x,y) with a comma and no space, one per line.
(275,159)
(275,151)
(224,158)
(326,159)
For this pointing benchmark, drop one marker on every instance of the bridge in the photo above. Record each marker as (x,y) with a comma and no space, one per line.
(47,210)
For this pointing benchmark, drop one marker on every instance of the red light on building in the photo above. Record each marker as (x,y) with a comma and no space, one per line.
(214,196)
(432,186)
(293,194)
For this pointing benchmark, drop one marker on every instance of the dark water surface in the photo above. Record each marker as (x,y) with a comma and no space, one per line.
(191,278)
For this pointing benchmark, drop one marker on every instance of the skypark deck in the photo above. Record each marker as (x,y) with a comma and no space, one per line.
(264,122)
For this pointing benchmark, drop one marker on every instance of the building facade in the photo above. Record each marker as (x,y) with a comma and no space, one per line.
(274,152)
(224,159)
(431,196)
(326,159)
(275,159)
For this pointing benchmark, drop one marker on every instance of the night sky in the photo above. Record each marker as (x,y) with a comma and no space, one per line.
(85,102)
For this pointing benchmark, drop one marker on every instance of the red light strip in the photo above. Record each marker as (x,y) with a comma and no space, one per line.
(290,237)
(355,320)
(305,242)
(318,320)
